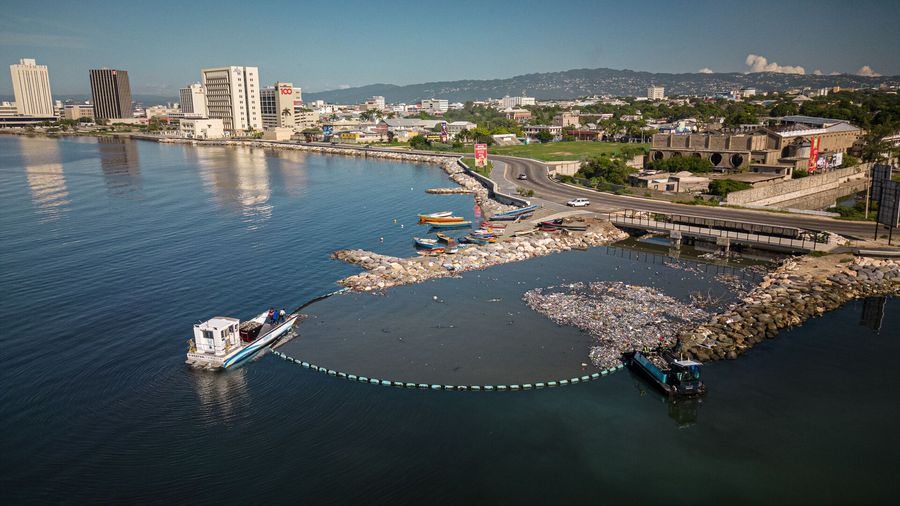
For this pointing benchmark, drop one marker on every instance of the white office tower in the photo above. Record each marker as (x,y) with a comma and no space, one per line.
(31,86)
(193,101)
(232,95)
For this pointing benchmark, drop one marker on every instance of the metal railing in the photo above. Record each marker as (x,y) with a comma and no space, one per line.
(785,237)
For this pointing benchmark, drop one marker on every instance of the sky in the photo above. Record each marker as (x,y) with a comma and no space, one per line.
(328,45)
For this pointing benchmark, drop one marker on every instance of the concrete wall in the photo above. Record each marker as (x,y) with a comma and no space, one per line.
(824,199)
(764,195)
(567,168)
(492,188)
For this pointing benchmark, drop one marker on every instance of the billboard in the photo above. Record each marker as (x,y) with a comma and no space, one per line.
(480,155)
(813,155)
(327,130)
(889,203)
(444,134)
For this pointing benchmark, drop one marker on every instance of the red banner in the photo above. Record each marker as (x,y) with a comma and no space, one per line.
(813,155)
(480,155)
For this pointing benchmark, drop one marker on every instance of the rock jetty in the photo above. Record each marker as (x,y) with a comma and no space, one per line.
(799,289)
(386,271)
(449,191)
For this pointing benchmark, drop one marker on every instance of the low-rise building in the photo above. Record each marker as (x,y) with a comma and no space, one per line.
(202,128)
(566,119)
(374,104)
(8,109)
(455,127)
(533,130)
(680,182)
(520,115)
(278,134)
(508,102)
(78,111)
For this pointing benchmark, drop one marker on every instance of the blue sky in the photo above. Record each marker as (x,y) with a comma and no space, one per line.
(331,44)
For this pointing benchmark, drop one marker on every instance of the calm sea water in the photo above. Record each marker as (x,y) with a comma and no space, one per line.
(111,250)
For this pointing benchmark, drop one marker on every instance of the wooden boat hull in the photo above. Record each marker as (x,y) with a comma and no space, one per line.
(442,219)
(458,224)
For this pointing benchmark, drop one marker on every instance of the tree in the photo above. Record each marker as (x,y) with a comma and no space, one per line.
(605,169)
(419,142)
(723,187)
(680,163)
(544,136)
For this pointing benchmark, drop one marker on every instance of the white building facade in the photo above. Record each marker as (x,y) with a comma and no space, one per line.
(281,105)
(201,128)
(193,100)
(507,102)
(31,87)
(656,93)
(232,95)
(435,105)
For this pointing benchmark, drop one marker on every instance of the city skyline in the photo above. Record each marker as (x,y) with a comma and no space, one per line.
(400,44)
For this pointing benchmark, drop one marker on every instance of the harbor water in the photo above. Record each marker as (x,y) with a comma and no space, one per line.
(111,249)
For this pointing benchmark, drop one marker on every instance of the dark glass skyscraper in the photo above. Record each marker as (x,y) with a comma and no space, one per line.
(111,93)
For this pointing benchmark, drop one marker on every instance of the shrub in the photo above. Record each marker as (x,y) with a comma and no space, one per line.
(723,187)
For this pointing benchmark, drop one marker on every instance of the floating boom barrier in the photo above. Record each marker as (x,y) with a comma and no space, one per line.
(434,386)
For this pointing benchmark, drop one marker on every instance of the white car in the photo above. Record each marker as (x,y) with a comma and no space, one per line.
(579,202)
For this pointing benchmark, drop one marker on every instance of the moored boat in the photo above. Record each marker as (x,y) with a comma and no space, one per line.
(441,219)
(517,212)
(427,243)
(439,214)
(223,342)
(451,225)
(678,378)
(445,239)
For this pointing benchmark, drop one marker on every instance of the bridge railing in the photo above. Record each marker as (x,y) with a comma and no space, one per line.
(785,237)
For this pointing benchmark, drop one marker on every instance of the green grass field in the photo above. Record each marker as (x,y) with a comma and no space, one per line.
(555,151)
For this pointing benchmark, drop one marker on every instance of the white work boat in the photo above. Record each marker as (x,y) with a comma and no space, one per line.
(222,342)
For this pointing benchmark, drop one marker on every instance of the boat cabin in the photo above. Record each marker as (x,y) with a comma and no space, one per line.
(217,336)
(685,374)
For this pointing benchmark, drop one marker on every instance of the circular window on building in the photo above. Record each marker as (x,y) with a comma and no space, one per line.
(716,159)
(737,159)
(658,155)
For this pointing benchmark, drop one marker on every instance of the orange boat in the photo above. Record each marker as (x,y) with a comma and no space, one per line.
(440,219)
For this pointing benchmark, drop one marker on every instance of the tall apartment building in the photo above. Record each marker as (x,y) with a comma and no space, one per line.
(435,105)
(656,93)
(31,86)
(111,94)
(281,105)
(232,95)
(375,103)
(193,100)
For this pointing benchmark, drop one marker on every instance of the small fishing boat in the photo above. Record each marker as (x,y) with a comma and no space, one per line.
(678,378)
(223,342)
(445,239)
(478,240)
(512,217)
(427,243)
(518,212)
(560,224)
(439,214)
(490,224)
(430,252)
(441,219)
(451,225)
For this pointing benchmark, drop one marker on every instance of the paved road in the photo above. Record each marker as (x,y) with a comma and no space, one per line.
(546,189)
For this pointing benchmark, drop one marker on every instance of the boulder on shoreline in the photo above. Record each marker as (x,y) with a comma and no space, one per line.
(799,289)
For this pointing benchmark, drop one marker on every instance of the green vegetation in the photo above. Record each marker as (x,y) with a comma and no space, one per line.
(857,212)
(484,171)
(605,169)
(799,173)
(577,150)
(680,163)
(544,136)
(698,201)
(525,193)
(817,254)
(723,187)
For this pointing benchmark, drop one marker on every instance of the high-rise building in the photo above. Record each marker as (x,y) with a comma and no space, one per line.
(193,101)
(232,95)
(280,105)
(31,86)
(435,105)
(656,93)
(375,103)
(111,94)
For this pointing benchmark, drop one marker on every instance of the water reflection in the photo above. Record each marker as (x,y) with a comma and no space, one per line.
(684,412)
(220,393)
(873,313)
(238,177)
(44,170)
(291,170)
(120,164)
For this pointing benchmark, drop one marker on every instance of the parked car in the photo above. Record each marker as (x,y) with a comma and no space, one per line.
(522,177)
(579,202)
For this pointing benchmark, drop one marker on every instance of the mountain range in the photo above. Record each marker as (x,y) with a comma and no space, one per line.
(601,81)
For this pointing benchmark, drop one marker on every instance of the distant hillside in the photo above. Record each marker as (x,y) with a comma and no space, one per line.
(585,82)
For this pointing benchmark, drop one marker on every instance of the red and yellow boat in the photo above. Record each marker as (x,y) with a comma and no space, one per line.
(440,219)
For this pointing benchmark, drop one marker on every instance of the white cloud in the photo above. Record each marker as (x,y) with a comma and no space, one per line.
(706,70)
(866,71)
(759,63)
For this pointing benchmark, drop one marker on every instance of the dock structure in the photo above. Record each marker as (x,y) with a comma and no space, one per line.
(724,233)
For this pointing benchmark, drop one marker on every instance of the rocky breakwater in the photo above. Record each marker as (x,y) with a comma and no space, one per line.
(799,289)
(386,271)
(449,191)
